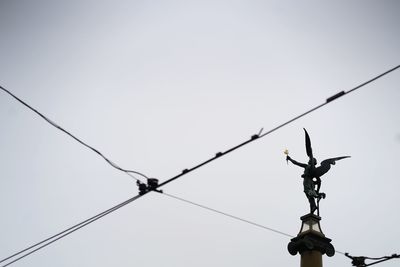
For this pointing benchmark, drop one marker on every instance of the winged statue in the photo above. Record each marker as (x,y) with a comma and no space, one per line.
(312,174)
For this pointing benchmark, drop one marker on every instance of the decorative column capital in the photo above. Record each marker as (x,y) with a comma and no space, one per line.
(311,238)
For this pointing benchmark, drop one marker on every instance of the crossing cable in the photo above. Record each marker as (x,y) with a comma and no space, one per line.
(184,172)
(128,172)
(48,241)
(219,154)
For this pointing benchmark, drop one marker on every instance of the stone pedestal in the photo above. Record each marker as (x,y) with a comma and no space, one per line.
(311,243)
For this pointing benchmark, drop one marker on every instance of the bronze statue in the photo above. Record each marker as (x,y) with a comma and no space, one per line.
(312,174)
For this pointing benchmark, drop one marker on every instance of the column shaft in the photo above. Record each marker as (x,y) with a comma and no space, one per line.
(311,258)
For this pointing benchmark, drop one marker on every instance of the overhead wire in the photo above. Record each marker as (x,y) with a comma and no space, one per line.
(232,216)
(219,154)
(227,214)
(330,99)
(259,136)
(184,172)
(45,242)
(128,172)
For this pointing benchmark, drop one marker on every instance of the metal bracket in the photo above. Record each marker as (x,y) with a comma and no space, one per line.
(152,185)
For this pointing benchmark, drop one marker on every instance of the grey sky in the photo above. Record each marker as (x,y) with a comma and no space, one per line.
(159,86)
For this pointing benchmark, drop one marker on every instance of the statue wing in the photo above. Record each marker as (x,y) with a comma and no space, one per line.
(326,165)
(308,145)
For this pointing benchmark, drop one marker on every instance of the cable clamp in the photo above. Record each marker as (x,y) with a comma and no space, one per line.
(218,154)
(253,137)
(330,99)
(152,185)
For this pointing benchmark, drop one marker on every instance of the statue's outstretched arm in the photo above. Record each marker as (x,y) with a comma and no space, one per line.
(295,162)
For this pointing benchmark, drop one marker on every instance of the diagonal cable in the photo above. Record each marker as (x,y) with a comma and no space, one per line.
(129,172)
(227,215)
(44,243)
(259,136)
(232,216)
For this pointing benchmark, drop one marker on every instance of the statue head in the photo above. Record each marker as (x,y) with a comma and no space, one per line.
(313,161)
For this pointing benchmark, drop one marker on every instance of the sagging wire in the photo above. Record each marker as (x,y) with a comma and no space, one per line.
(128,172)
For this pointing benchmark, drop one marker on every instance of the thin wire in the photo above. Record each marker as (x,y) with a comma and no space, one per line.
(228,215)
(233,216)
(184,172)
(129,172)
(66,232)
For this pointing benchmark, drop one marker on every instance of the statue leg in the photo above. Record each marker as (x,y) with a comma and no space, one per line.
(313,206)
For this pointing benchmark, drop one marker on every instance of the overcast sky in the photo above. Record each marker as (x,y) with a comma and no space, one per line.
(160,86)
